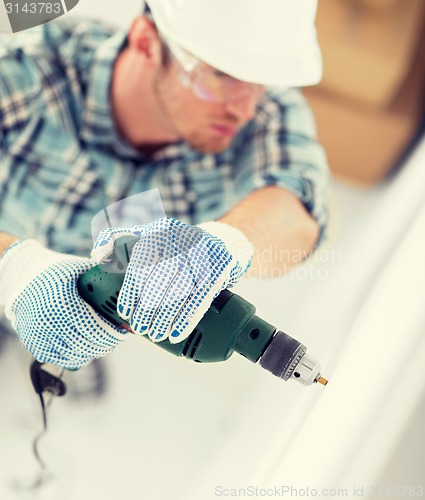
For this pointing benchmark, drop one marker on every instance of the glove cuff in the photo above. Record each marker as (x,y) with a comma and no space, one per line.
(21,263)
(234,239)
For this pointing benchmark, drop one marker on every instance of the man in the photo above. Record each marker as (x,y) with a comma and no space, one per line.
(197,101)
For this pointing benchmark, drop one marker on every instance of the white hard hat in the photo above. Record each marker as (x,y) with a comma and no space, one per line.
(269,42)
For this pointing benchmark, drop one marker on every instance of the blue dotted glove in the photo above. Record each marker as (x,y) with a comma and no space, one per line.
(174,273)
(39,289)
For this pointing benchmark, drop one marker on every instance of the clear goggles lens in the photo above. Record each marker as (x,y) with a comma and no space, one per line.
(208,83)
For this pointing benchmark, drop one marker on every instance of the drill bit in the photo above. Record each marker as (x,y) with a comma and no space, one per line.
(321,380)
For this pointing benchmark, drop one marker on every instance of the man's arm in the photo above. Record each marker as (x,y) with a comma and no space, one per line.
(282,178)
(279,227)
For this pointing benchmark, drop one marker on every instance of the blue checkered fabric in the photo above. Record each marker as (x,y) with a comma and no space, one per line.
(62,159)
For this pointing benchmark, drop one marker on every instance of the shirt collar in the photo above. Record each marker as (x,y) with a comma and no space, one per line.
(98,125)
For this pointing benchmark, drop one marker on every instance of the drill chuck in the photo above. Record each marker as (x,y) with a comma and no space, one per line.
(286,358)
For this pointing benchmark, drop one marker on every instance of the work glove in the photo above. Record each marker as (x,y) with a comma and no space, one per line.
(38,288)
(174,273)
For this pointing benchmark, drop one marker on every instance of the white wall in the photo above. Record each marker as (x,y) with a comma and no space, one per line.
(120,12)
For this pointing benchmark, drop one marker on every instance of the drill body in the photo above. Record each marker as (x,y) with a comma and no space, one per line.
(230,325)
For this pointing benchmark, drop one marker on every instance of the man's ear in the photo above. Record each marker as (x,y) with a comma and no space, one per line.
(143,38)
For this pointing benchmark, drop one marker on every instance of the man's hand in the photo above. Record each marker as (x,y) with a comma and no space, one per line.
(174,273)
(39,289)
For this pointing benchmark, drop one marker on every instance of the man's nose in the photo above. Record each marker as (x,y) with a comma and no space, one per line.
(243,107)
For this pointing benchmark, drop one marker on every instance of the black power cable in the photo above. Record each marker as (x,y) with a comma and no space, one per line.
(43,382)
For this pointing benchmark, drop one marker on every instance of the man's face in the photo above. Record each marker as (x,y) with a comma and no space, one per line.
(209,127)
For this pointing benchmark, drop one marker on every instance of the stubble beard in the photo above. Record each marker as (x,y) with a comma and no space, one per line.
(194,139)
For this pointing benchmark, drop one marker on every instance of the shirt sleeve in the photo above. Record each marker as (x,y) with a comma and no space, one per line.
(280,148)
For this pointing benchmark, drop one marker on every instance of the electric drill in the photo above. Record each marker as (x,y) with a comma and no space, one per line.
(229,325)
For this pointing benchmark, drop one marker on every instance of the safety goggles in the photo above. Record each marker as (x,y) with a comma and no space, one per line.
(208,83)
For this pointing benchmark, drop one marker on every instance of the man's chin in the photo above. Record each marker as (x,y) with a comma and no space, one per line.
(210,146)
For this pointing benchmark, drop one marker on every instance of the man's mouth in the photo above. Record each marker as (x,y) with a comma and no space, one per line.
(224,130)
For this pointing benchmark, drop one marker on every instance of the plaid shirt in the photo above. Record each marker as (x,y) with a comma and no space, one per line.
(62,159)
